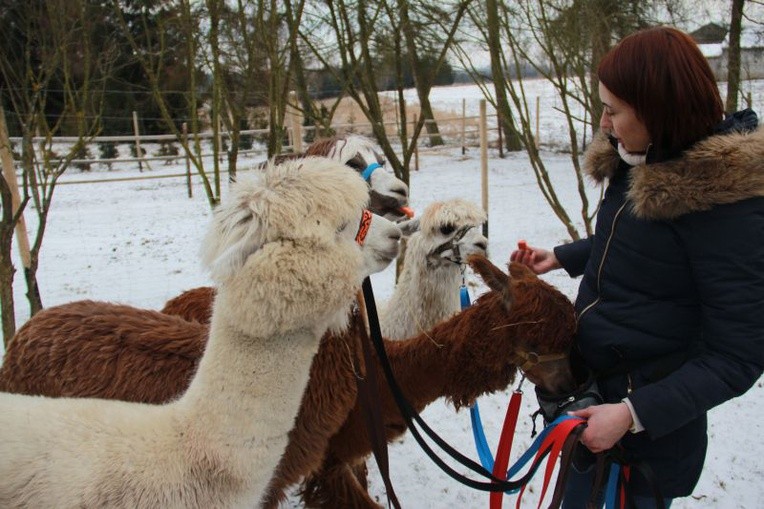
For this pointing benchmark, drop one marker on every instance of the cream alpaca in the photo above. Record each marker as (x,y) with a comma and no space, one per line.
(427,291)
(282,251)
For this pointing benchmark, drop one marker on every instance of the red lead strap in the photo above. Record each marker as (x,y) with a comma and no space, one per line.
(555,439)
(505,446)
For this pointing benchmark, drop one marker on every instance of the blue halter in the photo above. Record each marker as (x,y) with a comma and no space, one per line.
(366,174)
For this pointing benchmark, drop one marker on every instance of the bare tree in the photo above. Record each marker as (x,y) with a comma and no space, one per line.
(417,27)
(150,53)
(50,88)
(352,25)
(498,73)
(560,40)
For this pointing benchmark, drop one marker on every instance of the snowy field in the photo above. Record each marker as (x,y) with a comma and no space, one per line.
(138,242)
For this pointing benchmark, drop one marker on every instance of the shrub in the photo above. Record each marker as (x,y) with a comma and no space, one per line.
(107,150)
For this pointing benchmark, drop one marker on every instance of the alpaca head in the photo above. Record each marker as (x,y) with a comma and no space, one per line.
(387,193)
(283,247)
(448,232)
(529,321)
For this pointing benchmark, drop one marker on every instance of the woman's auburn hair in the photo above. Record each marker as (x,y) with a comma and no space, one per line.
(663,75)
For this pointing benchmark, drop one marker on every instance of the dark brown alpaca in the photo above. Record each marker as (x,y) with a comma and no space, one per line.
(478,355)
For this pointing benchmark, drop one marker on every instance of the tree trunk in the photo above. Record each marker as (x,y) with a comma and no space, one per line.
(506,123)
(733,57)
(7,303)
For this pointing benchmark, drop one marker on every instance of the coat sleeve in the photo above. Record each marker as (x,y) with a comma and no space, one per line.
(725,250)
(574,255)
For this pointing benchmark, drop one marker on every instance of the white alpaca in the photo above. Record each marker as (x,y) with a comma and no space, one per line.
(427,291)
(387,193)
(282,251)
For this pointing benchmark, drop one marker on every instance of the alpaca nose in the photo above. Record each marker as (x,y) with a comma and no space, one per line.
(482,245)
(402,191)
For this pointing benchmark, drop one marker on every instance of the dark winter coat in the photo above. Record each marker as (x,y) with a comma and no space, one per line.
(671,304)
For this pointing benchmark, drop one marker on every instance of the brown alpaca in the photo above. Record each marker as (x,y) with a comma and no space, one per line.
(103,350)
(326,445)
(194,305)
(474,353)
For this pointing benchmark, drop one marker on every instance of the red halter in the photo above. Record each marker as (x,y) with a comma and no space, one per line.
(363,227)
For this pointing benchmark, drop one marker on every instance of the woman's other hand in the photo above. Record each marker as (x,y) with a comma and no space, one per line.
(605,425)
(539,260)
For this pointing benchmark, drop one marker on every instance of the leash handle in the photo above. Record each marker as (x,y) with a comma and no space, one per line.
(552,444)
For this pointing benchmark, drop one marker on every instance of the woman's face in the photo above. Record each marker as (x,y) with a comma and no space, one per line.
(620,120)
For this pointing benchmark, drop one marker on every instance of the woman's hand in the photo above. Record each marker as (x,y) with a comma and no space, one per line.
(539,260)
(606,424)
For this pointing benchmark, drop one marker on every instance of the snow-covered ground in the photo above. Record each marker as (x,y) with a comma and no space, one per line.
(137,242)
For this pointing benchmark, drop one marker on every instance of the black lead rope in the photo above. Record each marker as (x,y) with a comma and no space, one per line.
(369,396)
(410,415)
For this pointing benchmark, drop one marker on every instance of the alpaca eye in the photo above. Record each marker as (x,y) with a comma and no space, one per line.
(447,229)
(357,163)
(342,227)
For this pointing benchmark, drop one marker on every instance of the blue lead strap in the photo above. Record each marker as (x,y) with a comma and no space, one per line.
(611,492)
(369,170)
(464,297)
(481,444)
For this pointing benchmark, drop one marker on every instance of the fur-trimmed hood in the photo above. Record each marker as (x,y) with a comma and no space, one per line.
(724,168)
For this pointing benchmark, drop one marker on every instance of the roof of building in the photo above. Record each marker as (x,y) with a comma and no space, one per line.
(710,33)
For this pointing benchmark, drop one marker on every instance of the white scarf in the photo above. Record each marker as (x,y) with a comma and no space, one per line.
(631,158)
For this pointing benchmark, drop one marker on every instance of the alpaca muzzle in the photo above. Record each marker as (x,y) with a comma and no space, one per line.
(551,406)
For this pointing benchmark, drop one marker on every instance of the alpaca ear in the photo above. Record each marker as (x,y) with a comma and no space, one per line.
(230,261)
(408,226)
(492,276)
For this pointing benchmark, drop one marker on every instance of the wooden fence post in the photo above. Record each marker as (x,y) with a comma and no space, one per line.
(501,135)
(296,123)
(137,133)
(220,139)
(9,172)
(464,126)
(416,144)
(538,112)
(484,161)
(188,161)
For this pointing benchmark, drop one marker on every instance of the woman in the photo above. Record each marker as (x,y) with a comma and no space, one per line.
(671,304)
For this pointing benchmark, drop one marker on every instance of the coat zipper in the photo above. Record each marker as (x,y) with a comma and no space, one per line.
(602,264)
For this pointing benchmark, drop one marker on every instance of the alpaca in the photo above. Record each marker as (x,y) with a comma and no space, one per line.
(331,392)
(288,267)
(388,197)
(388,194)
(477,351)
(427,291)
(113,344)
